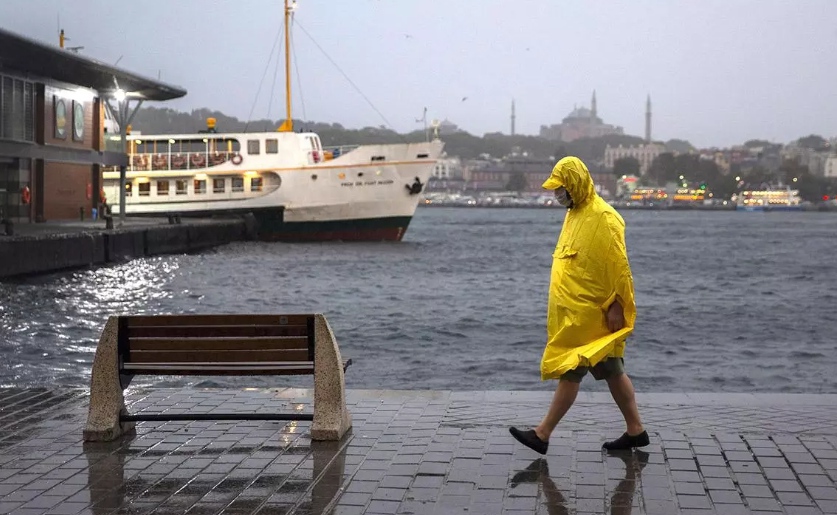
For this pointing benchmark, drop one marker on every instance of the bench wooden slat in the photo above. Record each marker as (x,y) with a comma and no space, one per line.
(259,368)
(203,331)
(217,344)
(218,370)
(222,320)
(217,356)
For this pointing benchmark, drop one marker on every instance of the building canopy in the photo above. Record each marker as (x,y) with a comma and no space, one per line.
(33,57)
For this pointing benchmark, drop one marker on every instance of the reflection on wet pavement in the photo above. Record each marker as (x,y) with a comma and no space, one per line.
(412,452)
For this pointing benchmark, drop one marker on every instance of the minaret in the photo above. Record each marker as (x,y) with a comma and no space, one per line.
(648,120)
(512,119)
(593,110)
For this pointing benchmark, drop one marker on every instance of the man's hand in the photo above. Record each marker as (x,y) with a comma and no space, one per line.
(615,317)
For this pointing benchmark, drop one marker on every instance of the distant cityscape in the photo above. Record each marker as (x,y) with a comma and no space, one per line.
(809,163)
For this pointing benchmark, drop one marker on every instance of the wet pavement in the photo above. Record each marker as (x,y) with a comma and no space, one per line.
(421,452)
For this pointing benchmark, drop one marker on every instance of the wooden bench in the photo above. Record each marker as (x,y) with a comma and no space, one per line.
(216,345)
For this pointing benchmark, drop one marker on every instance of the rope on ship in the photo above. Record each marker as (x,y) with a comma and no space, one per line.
(337,66)
(277,40)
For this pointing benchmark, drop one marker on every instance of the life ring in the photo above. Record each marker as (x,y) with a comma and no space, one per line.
(25,195)
(198,160)
(236,159)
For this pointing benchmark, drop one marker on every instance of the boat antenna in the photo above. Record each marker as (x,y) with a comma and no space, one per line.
(288,124)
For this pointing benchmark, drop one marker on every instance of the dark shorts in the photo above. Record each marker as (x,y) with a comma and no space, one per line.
(610,367)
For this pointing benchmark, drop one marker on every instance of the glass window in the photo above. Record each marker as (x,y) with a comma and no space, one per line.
(144,189)
(17,109)
(237,184)
(256,184)
(162,187)
(271,146)
(219,185)
(200,186)
(253,146)
(182,187)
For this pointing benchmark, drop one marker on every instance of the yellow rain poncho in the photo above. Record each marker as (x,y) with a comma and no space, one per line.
(590,271)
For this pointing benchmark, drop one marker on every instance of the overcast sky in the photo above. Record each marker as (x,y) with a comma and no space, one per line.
(719,71)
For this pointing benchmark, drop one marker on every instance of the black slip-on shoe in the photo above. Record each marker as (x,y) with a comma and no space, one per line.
(530,439)
(627,441)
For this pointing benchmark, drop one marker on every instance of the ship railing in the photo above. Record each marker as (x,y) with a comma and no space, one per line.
(176,161)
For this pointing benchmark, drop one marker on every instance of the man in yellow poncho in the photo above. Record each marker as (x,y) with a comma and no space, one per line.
(591,307)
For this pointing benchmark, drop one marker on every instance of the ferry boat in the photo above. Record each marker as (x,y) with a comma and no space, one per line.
(768,200)
(295,188)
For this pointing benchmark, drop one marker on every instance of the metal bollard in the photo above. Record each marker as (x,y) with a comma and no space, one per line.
(9,227)
(81,213)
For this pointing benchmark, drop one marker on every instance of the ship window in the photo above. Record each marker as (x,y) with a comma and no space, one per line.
(182,187)
(144,189)
(271,146)
(253,146)
(256,184)
(219,185)
(162,187)
(200,186)
(237,184)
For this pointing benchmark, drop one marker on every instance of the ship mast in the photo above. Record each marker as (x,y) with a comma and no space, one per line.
(288,124)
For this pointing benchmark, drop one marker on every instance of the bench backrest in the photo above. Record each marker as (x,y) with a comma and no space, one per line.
(215,338)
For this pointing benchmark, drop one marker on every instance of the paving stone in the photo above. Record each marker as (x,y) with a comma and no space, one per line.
(756,491)
(719,483)
(660,507)
(717,472)
(823,493)
(779,474)
(793,499)
(689,488)
(782,485)
(750,479)
(656,493)
(814,481)
(694,501)
(744,466)
(725,497)
(678,464)
(763,504)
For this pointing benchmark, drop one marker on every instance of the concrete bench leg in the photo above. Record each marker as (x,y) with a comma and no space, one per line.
(106,399)
(331,418)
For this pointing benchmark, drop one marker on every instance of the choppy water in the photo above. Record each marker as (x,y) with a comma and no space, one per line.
(727,301)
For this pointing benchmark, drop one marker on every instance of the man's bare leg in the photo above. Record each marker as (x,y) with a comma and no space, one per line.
(562,401)
(622,391)
(538,439)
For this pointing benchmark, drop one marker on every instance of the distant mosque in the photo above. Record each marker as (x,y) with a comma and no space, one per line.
(580,123)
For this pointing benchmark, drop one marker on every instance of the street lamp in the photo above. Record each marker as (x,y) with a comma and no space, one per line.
(124,115)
